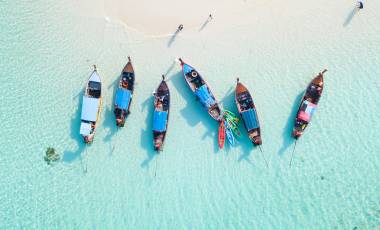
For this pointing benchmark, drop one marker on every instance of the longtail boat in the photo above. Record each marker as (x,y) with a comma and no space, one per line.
(308,105)
(201,90)
(124,94)
(161,114)
(247,111)
(221,135)
(91,107)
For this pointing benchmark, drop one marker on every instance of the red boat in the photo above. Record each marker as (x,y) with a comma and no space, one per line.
(221,135)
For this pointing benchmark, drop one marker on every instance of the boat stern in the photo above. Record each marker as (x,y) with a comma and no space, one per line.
(120,122)
(158,141)
(296,133)
(257,141)
(158,146)
(88,139)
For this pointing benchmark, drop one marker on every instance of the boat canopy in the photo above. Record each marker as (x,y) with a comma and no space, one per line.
(187,69)
(204,96)
(85,128)
(307,110)
(90,107)
(250,119)
(123,97)
(159,120)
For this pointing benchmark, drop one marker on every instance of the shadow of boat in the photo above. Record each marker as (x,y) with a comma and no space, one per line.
(287,133)
(146,139)
(172,38)
(110,125)
(193,112)
(109,121)
(70,156)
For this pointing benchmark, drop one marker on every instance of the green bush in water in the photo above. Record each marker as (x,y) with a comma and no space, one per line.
(51,155)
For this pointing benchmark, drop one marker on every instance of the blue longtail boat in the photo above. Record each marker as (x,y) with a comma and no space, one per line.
(201,90)
(161,114)
(124,93)
(247,111)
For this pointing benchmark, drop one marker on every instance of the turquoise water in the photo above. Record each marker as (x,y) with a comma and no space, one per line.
(46,53)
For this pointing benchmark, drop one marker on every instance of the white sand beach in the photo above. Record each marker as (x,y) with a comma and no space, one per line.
(161,17)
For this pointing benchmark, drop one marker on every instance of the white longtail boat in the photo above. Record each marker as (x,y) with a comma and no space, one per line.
(91,107)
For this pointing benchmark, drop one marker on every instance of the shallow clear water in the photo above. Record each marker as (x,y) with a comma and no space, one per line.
(46,52)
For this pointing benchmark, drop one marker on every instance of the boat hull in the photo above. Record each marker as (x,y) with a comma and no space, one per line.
(308,105)
(247,110)
(202,91)
(124,94)
(91,107)
(161,115)
(221,135)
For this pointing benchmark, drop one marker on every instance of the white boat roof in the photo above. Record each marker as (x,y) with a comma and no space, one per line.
(90,107)
(85,128)
(94,77)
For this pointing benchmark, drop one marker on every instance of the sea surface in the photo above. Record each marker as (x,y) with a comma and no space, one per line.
(47,49)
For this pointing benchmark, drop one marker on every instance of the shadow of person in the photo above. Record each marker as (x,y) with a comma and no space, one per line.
(69,155)
(350,16)
(173,37)
(193,112)
(204,24)
(146,139)
(287,133)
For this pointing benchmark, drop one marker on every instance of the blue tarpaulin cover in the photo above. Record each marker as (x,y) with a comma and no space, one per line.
(205,96)
(90,107)
(159,120)
(250,119)
(123,97)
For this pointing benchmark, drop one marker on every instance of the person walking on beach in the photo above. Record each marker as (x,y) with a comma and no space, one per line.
(360,5)
(210,17)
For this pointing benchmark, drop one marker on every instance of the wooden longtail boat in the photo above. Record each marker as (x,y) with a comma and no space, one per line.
(161,114)
(124,94)
(308,104)
(91,107)
(247,111)
(201,90)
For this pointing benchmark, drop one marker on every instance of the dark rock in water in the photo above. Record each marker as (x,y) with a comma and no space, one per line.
(322,177)
(355,228)
(51,156)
